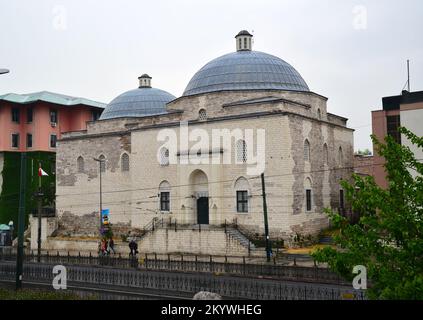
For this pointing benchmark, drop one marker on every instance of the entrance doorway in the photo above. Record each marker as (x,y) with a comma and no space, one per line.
(203,210)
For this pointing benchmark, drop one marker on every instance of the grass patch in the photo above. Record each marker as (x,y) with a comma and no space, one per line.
(37,294)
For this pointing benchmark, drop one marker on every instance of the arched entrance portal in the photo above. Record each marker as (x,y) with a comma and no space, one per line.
(200,192)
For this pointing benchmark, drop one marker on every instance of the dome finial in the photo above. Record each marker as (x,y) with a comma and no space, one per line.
(145,81)
(243,41)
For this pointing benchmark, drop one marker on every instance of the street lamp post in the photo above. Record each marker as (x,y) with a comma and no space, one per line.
(100,162)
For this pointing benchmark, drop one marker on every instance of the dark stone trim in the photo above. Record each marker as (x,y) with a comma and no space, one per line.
(248,90)
(263,101)
(231,117)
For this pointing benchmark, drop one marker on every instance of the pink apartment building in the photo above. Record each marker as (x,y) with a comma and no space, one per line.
(34,122)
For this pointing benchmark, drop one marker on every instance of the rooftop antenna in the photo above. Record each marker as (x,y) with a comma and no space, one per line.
(408,77)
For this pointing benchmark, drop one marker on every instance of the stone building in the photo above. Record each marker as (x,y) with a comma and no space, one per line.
(265,107)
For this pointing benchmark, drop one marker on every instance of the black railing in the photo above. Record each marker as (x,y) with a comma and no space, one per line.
(203,264)
(149,227)
(183,284)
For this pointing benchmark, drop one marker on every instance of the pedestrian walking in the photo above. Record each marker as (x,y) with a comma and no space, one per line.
(111,246)
(103,247)
(131,248)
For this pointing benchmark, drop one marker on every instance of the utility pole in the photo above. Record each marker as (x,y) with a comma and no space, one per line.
(21,222)
(39,196)
(408,75)
(266,224)
(100,162)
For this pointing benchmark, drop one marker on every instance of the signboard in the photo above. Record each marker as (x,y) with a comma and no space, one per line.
(105,213)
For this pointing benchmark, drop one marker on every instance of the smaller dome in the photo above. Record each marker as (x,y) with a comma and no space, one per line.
(243,33)
(141,102)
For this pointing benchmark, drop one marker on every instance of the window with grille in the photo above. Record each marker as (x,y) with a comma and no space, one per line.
(241,151)
(125,162)
(306,151)
(29,115)
(102,163)
(164,157)
(393,123)
(308,199)
(242,201)
(15,140)
(202,114)
(53,141)
(15,115)
(29,140)
(165,201)
(53,116)
(80,164)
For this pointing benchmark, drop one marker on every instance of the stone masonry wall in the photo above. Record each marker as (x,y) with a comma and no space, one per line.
(207,242)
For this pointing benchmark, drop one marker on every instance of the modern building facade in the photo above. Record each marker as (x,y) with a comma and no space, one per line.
(404,110)
(258,101)
(33,123)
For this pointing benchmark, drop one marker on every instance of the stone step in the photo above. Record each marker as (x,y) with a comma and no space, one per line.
(241,238)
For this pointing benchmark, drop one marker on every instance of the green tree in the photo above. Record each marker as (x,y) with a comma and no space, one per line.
(388,239)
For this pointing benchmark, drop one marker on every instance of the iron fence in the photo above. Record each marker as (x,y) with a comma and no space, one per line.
(185,283)
(195,264)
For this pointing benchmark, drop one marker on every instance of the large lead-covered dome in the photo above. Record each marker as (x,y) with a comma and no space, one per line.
(245,70)
(141,102)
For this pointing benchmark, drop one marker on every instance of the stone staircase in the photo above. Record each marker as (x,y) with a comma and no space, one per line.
(163,237)
(241,238)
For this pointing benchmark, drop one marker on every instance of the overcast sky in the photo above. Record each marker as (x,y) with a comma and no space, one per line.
(353,52)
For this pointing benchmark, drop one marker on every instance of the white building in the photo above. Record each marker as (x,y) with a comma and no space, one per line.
(305,152)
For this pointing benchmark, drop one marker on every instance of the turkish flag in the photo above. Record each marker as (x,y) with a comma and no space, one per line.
(41,172)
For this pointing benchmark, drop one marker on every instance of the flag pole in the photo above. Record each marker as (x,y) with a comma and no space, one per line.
(39,195)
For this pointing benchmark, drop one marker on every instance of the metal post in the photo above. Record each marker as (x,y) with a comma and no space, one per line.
(39,196)
(100,161)
(101,200)
(21,222)
(266,224)
(408,75)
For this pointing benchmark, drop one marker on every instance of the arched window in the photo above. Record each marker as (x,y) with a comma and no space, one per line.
(240,43)
(124,162)
(325,154)
(306,150)
(102,163)
(80,164)
(319,114)
(202,114)
(242,189)
(241,151)
(340,157)
(164,195)
(245,43)
(308,194)
(164,156)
